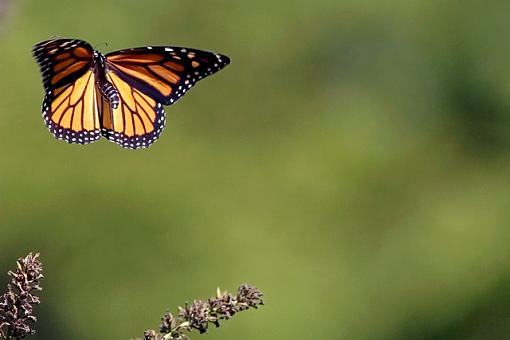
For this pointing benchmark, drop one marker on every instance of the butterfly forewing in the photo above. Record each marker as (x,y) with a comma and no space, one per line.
(62,61)
(164,73)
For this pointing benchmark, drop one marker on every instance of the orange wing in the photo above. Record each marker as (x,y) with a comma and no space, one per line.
(164,73)
(62,61)
(71,112)
(138,120)
(70,104)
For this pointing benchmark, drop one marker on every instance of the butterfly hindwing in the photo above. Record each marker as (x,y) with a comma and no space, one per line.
(70,104)
(138,120)
(164,73)
(71,112)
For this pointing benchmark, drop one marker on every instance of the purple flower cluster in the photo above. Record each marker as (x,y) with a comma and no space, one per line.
(16,305)
(199,314)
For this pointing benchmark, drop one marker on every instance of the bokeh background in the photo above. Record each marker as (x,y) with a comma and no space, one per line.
(353,162)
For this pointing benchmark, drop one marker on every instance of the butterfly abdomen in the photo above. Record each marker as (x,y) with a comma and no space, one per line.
(110,93)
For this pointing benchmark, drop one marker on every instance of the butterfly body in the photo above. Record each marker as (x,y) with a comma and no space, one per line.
(106,88)
(119,95)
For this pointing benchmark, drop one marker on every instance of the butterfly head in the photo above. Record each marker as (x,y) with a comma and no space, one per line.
(99,59)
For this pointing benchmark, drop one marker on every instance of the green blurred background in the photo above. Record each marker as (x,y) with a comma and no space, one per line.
(353,162)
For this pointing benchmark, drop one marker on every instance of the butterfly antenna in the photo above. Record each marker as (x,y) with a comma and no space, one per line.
(96,43)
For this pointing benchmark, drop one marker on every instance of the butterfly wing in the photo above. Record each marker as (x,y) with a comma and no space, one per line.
(137,121)
(164,73)
(146,78)
(70,109)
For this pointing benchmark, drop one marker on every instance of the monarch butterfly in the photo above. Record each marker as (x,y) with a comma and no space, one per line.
(119,95)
